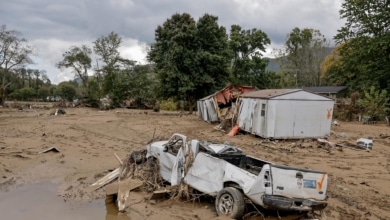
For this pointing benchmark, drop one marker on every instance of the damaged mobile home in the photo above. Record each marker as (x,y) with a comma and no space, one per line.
(285,114)
(218,106)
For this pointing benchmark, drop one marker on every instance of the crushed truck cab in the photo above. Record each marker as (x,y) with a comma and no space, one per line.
(225,172)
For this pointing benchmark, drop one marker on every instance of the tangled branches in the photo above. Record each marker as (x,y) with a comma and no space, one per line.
(135,166)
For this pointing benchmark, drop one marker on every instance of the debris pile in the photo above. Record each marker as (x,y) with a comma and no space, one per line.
(135,166)
(58,111)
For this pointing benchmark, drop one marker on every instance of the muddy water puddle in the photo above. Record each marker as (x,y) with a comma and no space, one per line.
(40,201)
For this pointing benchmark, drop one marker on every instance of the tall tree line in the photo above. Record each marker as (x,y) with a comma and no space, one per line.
(190,59)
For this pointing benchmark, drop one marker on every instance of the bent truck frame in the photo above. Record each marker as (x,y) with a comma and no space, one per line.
(225,172)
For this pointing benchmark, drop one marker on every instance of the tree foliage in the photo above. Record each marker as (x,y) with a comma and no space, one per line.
(108,75)
(304,50)
(248,66)
(374,103)
(78,59)
(24,94)
(138,84)
(66,90)
(14,53)
(365,50)
(190,57)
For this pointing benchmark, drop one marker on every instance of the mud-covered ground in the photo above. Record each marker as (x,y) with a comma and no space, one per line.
(359,181)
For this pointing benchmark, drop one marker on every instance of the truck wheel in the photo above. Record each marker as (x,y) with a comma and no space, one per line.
(230,202)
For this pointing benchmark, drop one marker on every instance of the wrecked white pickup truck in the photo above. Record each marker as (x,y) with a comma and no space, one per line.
(225,172)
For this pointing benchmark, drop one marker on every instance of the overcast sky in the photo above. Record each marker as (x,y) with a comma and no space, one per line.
(53,26)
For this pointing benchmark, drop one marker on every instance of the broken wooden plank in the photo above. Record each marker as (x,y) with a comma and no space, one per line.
(119,159)
(124,191)
(104,180)
(113,188)
(159,194)
(54,149)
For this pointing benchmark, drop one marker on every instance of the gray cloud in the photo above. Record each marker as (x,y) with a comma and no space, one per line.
(54,26)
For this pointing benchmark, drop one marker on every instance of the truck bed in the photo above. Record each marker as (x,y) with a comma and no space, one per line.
(248,163)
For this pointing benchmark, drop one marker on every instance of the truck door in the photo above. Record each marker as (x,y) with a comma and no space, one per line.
(178,168)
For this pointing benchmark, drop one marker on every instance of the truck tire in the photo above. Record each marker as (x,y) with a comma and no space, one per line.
(230,202)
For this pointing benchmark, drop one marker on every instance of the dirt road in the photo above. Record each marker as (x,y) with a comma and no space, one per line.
(87,139)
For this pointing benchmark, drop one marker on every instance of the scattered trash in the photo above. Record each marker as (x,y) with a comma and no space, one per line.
(364,142)
(342,135)
(346,144)
(54,149)
(326,142)
(22,156)
(58,111)
(335,123)
(234,131)
(160,194)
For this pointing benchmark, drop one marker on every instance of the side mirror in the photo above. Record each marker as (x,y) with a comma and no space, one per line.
(165,148)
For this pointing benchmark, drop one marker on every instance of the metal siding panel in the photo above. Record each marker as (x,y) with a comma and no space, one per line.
(302,119)
(199,109)
(284,123)
(244,115)
(211,112)
(270,120)
(256,127)
(251,115)
(205,112)
(302,95)
(311,119)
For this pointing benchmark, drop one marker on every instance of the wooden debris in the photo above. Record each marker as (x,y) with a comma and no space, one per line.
(53,149)
(113,188)
(160,194)
(119,159)
(124,188)
(103,181)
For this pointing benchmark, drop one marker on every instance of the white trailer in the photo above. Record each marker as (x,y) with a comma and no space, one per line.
(285,114)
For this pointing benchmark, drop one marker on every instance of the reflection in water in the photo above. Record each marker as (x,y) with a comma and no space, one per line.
(40,201)
(113,214)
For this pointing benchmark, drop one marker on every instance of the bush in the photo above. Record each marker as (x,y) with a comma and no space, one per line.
(168,105)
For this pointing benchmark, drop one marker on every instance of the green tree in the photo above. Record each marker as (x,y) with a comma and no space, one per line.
(29,74)
(190,57)
(213,56)
(79,60)
(66,90)
(24,94)
(14,53)
(141,84)
(43,92)
(109,75)
(304,51)
(247,65)
(365,54)
(374,103)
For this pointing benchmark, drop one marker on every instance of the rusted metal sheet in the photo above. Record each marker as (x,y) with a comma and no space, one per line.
(212,107)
